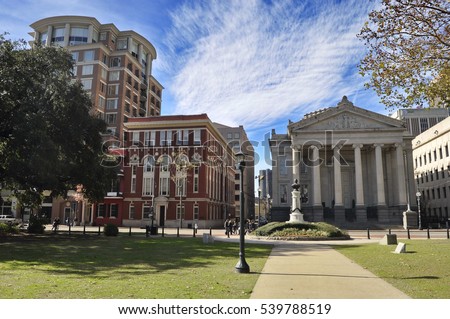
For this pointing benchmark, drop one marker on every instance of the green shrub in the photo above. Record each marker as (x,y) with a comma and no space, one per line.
(290,230)
(36,224)
(4,229)
(111,230)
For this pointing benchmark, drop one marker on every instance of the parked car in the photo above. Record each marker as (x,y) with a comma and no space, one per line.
(9,219)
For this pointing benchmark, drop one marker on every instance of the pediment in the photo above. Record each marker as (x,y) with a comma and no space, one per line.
(345,116)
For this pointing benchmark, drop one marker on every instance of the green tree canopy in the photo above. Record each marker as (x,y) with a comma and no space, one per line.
(48,138)
(408,56)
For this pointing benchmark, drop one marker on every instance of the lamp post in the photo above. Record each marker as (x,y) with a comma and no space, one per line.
(241,266)
(259,206)
(418,194)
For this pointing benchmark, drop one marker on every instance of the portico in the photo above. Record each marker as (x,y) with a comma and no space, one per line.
(353,161)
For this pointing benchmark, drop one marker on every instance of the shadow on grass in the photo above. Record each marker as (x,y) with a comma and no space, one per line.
(91,255)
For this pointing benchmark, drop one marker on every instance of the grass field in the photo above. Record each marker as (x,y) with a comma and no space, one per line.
(125,267)
(422,272)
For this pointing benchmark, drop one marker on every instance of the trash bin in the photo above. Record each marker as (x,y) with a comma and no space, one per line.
(154,230)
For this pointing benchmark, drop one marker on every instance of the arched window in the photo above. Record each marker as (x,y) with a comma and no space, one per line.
(148,178)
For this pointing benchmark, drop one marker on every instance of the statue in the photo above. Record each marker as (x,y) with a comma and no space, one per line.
(296,215)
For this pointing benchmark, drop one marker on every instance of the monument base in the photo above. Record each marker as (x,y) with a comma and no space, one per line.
(409,219)
(296,218)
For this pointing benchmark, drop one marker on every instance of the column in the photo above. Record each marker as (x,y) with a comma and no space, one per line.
(66,34)
(317,191)
(381,201)
(337,177)
(295,163)
(49,35)
(400,174)
(361,213)
(358,175)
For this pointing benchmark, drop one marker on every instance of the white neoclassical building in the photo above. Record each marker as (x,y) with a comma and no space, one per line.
(354,166)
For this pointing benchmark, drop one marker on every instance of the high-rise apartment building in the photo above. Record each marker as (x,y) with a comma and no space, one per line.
(237,139)
(114,66)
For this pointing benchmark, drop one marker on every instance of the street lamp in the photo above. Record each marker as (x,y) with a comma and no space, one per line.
(418,194)
(241,266)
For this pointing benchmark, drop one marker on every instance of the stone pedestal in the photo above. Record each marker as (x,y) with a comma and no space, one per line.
(409,219)
(389,239)
(296,215)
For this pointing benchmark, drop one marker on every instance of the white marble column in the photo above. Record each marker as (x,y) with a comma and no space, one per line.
(358,175)
(317,190)
(295,163)
(400,174)
(337,177)
(381,200)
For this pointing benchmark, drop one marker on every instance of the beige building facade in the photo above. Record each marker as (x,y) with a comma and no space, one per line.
(354,166)
(432,173)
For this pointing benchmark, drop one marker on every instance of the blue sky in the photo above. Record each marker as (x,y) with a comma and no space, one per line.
(256,63)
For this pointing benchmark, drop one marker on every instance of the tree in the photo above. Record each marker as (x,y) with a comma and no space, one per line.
(408,52)
(48,138)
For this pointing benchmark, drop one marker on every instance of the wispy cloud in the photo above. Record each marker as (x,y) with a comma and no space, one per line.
(252,63)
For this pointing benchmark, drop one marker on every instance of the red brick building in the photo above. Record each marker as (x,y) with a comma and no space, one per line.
(178,171)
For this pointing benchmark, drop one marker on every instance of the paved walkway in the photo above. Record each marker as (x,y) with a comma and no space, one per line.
(314,270)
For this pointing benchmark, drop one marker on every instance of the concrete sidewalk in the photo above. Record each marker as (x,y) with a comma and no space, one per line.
(314,270)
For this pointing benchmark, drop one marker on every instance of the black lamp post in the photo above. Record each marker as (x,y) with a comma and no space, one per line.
(241,266)
(418,194)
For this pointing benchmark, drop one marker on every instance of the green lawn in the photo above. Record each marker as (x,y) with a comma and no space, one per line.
(423,272)
(125,267)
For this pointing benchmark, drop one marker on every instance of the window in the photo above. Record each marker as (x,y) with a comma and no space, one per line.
(122,44)
(147,211)
(237,135)
(148,176)
(103,73)
(87,84)
(423,125)
(185,137)
(149,138)
(196,213)
(164,175)
(113,89)
(133,178)
(164,186)
(100,210)
(111,104)
(114,76)
(102,87)
(197,137)
(115,62)
(75,56)
(147,184)
(87,69)
(196,179)
(127,107)
(101,101)
(58,36)
(78,35)
(165,138)
(131,212)
(134,49)
(89,55)
(102,36)
(43,38)
(180,211)
(110,118)
(135,139)
(113,211)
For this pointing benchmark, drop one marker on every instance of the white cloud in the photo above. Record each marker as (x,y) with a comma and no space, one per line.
(247,62)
